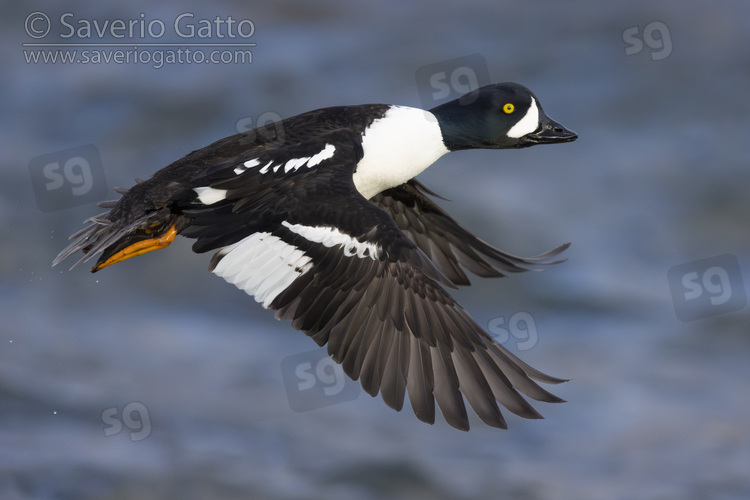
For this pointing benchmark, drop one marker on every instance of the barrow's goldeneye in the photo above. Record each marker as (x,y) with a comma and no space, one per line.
(319,218)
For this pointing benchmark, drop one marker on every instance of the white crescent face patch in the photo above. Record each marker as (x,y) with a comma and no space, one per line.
(528,124)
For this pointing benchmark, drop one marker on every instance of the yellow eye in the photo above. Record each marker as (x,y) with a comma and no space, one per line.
(508,108)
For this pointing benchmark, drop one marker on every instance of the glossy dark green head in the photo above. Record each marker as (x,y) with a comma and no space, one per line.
(498,116)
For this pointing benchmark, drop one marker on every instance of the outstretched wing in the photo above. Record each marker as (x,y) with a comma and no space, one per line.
(293,232)
(446,243)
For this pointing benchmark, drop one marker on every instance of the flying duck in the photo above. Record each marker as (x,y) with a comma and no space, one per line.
(319,217)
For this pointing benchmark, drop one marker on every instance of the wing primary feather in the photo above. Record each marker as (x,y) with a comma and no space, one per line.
(420,381)
(396,370)
(475,388)
(446,389)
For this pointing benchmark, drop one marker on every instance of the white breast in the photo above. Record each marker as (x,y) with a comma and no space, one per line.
(396,148)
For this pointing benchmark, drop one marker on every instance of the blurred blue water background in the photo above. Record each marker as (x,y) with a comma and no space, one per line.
(657,407)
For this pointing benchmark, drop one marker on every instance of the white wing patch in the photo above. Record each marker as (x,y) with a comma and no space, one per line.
(528,124)
(325,154)
(291,165)
(330,236)
(248,164)
(262,265)
(265,168)
(209,195)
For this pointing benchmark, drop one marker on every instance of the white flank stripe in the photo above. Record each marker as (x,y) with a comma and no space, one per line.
(262,265)
(330,237)
(209,195)
(528,124)
(327,153)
